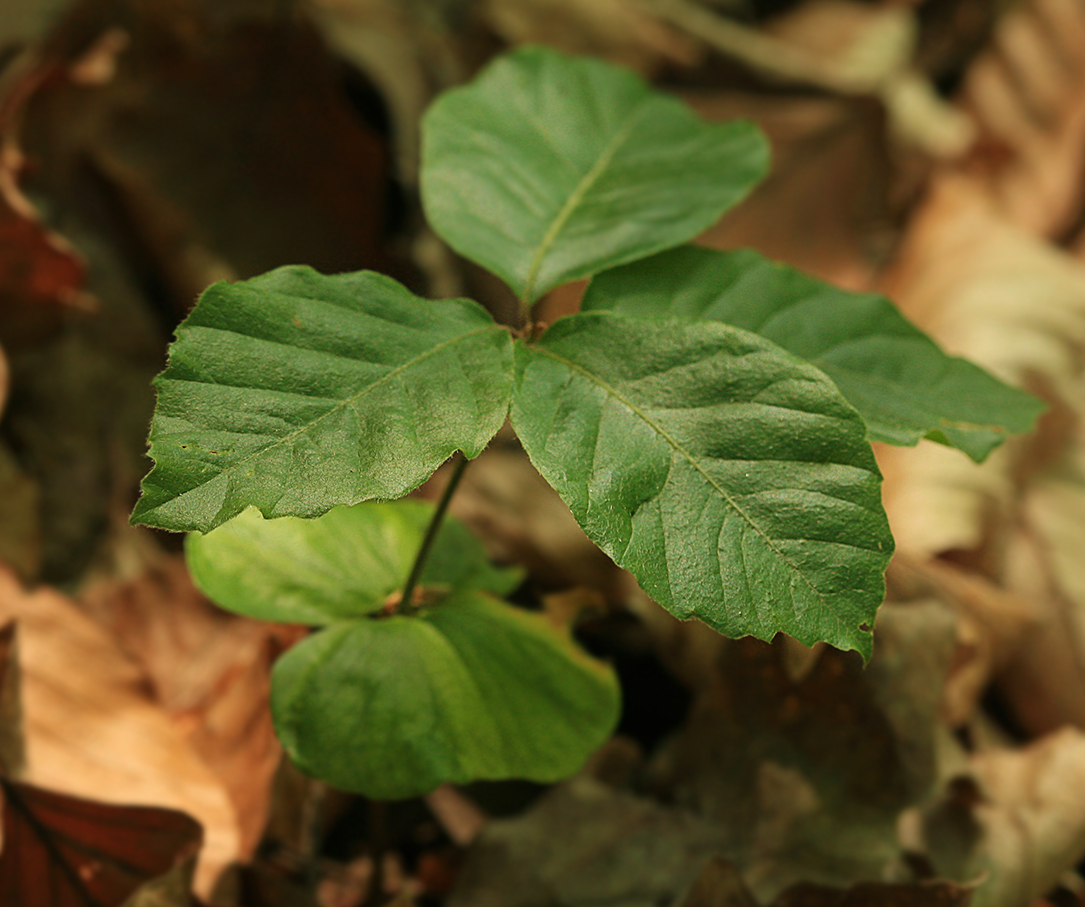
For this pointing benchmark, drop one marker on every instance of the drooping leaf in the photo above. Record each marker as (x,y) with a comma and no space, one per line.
(903,385)
(296,392)
(548,168)
(472,689)
(343,564)
(732,479)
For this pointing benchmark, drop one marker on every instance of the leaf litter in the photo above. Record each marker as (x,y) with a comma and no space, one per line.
(947,773)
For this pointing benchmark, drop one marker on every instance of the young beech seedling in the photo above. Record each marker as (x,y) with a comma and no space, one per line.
(707,418)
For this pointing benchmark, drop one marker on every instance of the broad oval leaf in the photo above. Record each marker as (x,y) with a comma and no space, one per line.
(472,690)
(296,392)
(343,564)
(733,480)
(903,385)
(548,168)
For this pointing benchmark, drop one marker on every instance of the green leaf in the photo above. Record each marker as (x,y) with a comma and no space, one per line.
(296,392)
(903,385)
(549,168)
(732,479)
(341,565)
(474,689)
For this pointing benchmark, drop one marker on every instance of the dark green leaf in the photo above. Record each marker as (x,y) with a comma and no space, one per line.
(548,168)
(474,689)
(341,565)
(731,478)
(295,392)
(903,385)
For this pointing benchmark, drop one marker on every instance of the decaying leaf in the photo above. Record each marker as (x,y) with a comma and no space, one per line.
(584,843)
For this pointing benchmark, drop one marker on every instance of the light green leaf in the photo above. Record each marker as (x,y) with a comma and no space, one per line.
(903,385)
(296,392)
(549,168)
(343,564)
(472,690)
(732,479)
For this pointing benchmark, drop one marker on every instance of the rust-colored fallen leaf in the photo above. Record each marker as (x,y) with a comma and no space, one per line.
(93,730)
(37,266)
(63,851)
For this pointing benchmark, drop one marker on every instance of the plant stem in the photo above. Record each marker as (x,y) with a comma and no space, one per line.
(431,532)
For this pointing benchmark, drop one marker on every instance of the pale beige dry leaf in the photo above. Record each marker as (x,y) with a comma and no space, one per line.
(1031,818)
(1045,683)
(990,292)
(92,729)
(1026,96)
(210,672)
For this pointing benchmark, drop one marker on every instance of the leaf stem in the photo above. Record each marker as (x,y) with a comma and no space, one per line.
(431,532)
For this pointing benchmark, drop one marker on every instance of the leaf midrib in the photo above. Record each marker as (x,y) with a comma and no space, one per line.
(342,404)
(677,447)
(576,197)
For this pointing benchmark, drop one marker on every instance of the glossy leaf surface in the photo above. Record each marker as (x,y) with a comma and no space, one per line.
(296,392)
(901,382)
(343,564)
(472,689)
(732,479)
(549,168)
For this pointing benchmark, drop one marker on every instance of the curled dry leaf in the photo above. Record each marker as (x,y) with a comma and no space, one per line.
(93,731)
(1014,822)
